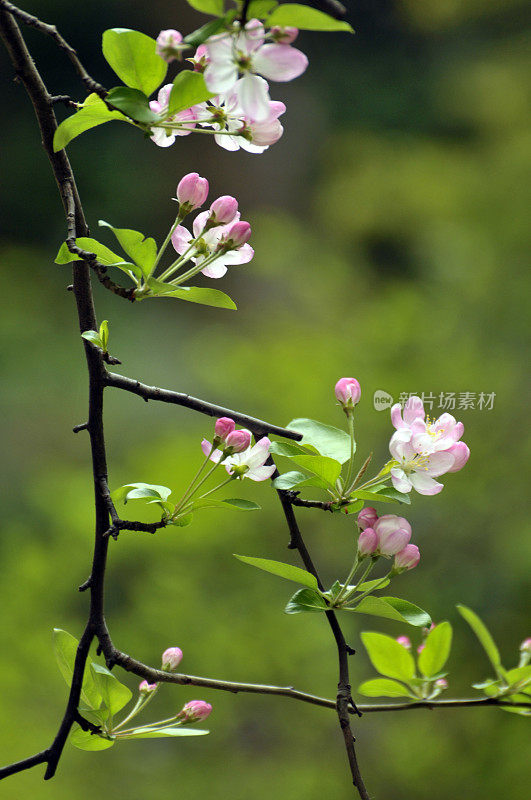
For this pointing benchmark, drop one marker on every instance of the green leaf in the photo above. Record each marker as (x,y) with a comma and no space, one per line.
(519,679)
(157,733)
(94,338)
(65,647)
(290,449)
(184,521)
(215,7)
(141,491)
(85,740)
(115,695)
(393,608)
(133,103)
(306,600)
(389,657)
(132,55)
(259,9)
(368,586)
(103,254)
(104,334)
(142,250)
(391,494)
(436,650)
(305,18)
(383,687)
(241,505)
(199,36)
(290,480)
(372,497)
(196,294)
(329,441)
(287,571)
(189,89)
(94,112)
(328,469)
(484,637)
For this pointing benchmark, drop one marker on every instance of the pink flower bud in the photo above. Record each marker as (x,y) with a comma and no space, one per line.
(441,683)
(348,392)
(195,710)
(223,210)
(367,542)
(393,533)
(171,658)
(405,641)
(525,647)
(146,688)
(167,42)
(284,35)
(367,517)
(200,59)
(420,648)
(408,558)
(222,428)
(461,454)
(238,441)
(239,234)
(192,191)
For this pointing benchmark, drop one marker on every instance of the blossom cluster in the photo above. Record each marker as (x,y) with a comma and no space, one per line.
(233,449)
(387,536)
(194,710)
(235,64)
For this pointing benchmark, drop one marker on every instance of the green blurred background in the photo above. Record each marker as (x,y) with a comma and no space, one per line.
(390,238)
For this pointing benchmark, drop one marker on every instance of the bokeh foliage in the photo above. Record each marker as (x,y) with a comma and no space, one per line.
(390,233)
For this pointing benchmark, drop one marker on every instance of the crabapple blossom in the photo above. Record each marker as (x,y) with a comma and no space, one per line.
(251,463)
(234,442)
(367,517)
(146,688)
(525,647)
(167,45)
(206,245)
(164,137)
(222,211)
(420,648)
(461,454)
(441,684)
(246,52)
(192,191)
(171,658)
(367,542)
(348,392)
(405,641)
(238,234)
(200,58)
(284,35)
(417,471)
(427,435)
(408,558)
(222,428)
(195,710)
(393,534)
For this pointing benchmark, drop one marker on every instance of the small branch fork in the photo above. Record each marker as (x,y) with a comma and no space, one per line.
(99,379)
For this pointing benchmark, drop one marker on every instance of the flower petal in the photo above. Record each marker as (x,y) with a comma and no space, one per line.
(260,473)
(279,62)
(181,238)
(253,95)
(400,480)
(424,484)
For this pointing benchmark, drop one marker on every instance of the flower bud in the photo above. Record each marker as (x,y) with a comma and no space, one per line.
(405,641)
(348,392)
(461,454)
(525,647)
(420,648)
(239,234)
(146,688)
(222,428)
(367,517)
(167,45)
(192,192)
(284,34)
(171,658)
(238,441)
(393,533)
(223,210)
(441,683)
(200,60)
(367,542)
(195,710)
(408,558)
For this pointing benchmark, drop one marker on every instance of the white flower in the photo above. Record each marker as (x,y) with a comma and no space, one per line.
(250,463)
(417,470)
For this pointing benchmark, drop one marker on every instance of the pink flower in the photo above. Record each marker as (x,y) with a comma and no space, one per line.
(171,658)
(415,470)
(427,435)
(236,236)
(367,542)
(408,558)
(405,641)
(146,688)
(223,210)
(393,534)
(164,137)
(192,191)
(238,441)
(167,42)
(348,392)
(420,648)
(195,710)
(461,454)
(441,684)
(250,463)
(234,442)
(207,245)
(367,517)
(222,428)
(284,35)
(247,53)
(200,59)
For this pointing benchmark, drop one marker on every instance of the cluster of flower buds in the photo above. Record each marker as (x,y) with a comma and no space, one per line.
(424,448)
(219,239)
(348,393)
(233,449)
(387,536)
(235,64)
(194,710)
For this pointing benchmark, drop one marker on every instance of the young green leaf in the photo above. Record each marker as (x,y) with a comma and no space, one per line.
(140,491)
(368,586)
(393,608)
(436,650)
(156,733)
(214,7)
(115,695)
(94,112)
(196,294)
(65,648)
(306,600)
(305,18)
(486,640)
(390,494)
(328,469)
(133,103)
(199,36)
(103,254)
(290,480)
(132,55)
(189,89)
(328,441)
(85,740)
(259,9)
(388,656)
(104,335)
(290,449)
(287,571)
(142,250)
(94,338)
(241,505)
(383,687)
